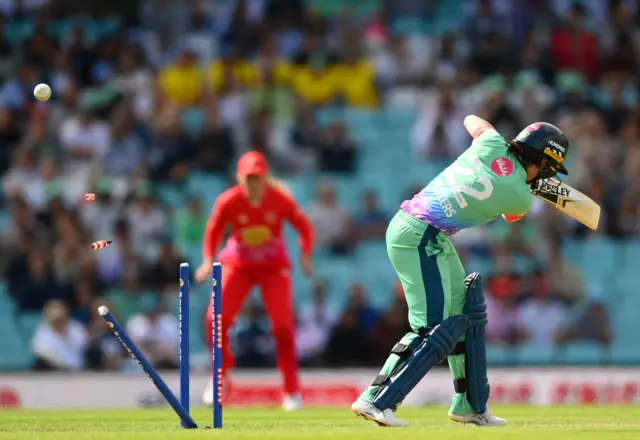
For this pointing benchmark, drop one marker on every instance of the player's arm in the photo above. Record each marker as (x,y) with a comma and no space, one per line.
(476,126)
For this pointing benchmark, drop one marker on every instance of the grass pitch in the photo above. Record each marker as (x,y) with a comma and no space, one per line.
(525,423)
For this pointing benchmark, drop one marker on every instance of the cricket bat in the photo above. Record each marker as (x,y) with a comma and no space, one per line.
(568,200)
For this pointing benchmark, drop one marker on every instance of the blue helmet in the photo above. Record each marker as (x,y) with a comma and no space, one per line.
(545,141)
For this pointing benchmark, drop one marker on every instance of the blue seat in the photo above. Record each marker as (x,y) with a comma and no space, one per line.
(498,354)
(28,323)
(599,258)
(625,354)
(581,353)
(208,186)
(534,354)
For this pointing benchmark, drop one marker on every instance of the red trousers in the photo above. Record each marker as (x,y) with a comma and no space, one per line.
(276,295)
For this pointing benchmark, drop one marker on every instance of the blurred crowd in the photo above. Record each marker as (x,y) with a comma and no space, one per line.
(149,92)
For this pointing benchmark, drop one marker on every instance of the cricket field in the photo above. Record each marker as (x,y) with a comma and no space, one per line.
(525,423)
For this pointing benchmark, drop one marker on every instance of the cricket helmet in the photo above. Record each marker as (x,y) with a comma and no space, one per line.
(545,141)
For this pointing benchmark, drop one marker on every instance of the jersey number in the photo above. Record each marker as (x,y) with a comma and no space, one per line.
(473,168)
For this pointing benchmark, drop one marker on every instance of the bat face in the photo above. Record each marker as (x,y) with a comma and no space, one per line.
(554,192)
(568,200)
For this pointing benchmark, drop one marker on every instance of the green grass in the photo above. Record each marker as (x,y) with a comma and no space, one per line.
(530,423)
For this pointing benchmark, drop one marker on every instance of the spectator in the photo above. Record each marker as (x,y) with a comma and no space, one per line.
(497,110)
(181,82)
(254,345)
(38,286)
(358,306)
(338,153)
(504,325)
(41,48)
(489,34)
(126,155)
(84,137)
(438,132)
(590,324)
(370,222)
(390,328)
(574,47)
(216,145)
(147,220)
(566,283)
(80,56)
(16,92)
(156,333)
(395,65)
(104,351)
(348,345)
(9,139)
(541,307)
(315,81)
(134,80)
(306,132)
(160,276)
(315,321)
(357,81)
(59,342)
(331,222)
(190,222)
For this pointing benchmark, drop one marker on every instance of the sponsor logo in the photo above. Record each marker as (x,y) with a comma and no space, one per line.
(554,189)
(502,167)
(558,147)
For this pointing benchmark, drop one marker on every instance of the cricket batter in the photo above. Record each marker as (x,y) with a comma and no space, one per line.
(447,311)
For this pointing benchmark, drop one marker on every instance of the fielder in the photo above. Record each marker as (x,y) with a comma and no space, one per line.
(447,311)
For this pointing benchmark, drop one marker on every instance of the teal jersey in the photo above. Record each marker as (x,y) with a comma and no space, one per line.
(483,183)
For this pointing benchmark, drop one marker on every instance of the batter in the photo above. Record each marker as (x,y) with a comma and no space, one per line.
(447,311)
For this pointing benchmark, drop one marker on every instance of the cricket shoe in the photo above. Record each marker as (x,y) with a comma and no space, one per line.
(207,396)
(292,402)
(385,418)
(486,419)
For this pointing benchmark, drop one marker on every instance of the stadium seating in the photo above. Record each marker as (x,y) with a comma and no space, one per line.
(383,149)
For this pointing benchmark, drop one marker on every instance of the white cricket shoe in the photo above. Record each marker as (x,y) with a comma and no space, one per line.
(486,419)
(368,411)
(207,396)
(292,402)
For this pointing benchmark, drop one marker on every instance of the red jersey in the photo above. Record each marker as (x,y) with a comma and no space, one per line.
(256,231)
(575,52)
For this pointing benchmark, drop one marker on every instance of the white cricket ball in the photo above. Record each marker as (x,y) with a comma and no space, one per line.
(42,92)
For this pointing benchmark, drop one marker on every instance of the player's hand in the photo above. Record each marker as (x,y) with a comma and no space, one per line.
(307,266)
(204,271)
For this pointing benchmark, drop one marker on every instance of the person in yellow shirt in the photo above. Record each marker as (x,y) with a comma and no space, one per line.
(181,81)
(315,83)
(357,83)
(229,68)
(267,60)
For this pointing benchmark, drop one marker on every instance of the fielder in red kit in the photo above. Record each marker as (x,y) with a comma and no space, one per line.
(255,255)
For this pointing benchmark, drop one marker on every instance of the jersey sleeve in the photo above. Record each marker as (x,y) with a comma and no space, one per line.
(214,231)
(521,202)
(490,138)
